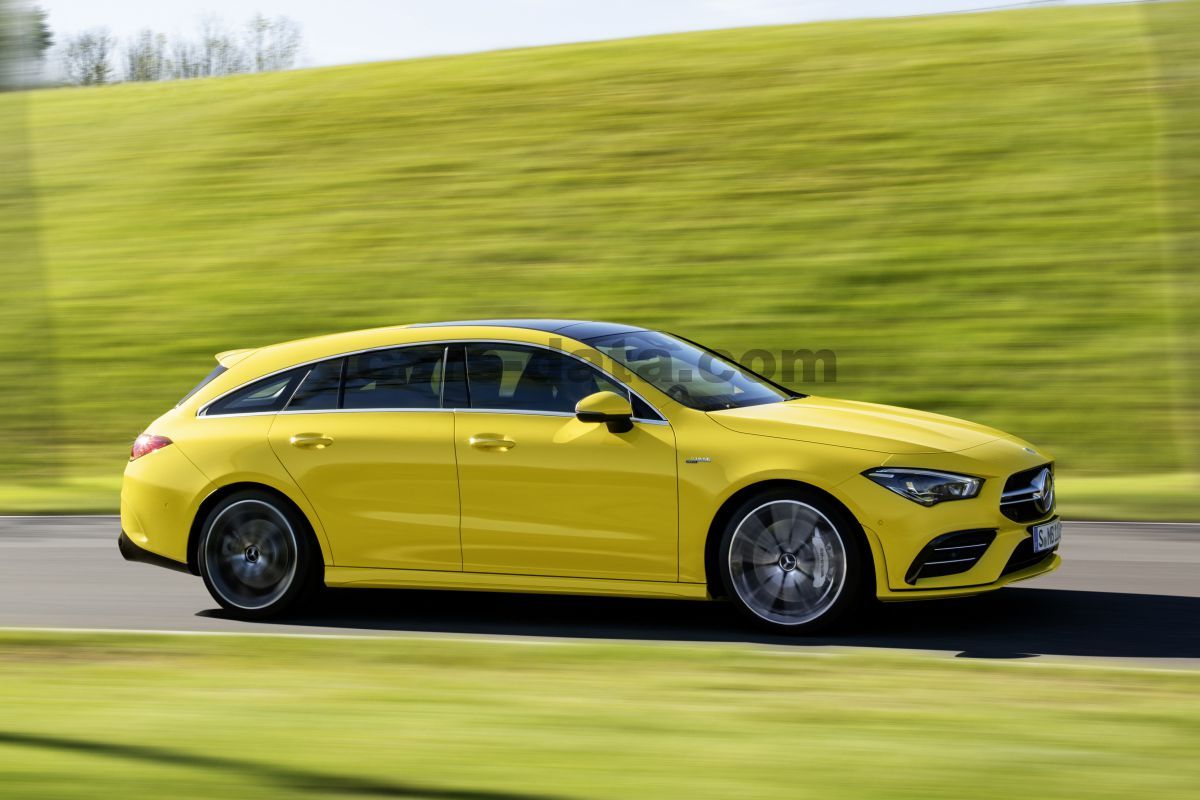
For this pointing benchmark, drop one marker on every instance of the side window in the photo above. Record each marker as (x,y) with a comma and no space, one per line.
(642,409)
(520,378)
(319,389)
(405,377)
(268,394)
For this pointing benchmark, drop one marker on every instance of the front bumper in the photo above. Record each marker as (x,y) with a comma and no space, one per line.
(899,531)
(1050,563)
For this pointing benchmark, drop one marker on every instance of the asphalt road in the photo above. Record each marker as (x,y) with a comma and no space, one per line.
(1125,591)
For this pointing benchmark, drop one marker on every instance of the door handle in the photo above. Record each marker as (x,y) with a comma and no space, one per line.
(317,441)
(492,442)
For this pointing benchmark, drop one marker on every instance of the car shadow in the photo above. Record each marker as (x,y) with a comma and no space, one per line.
(1010,623)
(293,780)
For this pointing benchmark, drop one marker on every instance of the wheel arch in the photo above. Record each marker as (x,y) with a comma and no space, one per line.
(712,542)
(219,494)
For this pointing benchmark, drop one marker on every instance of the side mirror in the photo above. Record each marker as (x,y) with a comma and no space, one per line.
(607,407)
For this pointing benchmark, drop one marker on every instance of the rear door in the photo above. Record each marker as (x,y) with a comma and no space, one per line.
(366,439)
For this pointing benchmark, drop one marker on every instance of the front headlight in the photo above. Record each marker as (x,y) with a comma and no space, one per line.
(926,486)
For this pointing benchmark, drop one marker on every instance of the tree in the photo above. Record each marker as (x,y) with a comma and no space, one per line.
(43,37)
(273,44)
(185,59)
(24,38)
(87,58)
(265,46)
(220,53)
(258,32)
(146,57)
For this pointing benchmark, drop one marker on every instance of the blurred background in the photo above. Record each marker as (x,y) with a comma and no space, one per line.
(989,215)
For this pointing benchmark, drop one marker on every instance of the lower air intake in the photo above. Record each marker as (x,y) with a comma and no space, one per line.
(950,554)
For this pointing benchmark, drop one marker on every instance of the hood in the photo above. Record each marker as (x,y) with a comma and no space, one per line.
(864,426)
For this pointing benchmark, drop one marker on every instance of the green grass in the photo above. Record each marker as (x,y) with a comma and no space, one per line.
(969,210)
(117,715)
(1161,498)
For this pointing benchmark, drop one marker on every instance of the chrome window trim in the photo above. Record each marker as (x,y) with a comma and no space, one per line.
(202,411)
(522,412)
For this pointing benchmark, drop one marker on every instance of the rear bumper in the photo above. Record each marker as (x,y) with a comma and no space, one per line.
(160,494)
(131,552)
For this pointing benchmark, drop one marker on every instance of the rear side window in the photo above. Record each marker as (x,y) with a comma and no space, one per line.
(217,370)
(268,394)
(319,389)
(405,377)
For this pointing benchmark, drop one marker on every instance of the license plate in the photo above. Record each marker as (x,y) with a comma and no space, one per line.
(1046,536)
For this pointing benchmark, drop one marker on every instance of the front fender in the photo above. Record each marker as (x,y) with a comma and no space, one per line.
(737,462)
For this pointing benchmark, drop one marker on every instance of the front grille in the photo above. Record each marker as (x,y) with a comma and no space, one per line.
(950,554)
(1028,496)
(1023,557)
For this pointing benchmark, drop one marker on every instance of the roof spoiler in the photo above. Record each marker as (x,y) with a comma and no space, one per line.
(228,358)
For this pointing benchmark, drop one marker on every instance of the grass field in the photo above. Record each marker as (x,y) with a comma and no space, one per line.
(970,211)
(118,715)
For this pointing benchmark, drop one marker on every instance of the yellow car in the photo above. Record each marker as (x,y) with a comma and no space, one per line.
(572,457)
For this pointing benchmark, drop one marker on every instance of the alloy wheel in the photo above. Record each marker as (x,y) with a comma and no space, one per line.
(251,554)
(787,562)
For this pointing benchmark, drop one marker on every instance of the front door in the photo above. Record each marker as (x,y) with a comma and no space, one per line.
(544,494)
(373,452)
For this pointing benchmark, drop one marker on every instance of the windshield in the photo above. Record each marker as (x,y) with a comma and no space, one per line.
(691,375)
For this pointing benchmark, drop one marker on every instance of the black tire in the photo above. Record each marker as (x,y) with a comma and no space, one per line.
(257,556)
(793,562)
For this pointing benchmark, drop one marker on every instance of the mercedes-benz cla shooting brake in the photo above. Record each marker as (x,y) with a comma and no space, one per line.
(571,457)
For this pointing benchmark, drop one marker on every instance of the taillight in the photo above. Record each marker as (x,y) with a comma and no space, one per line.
(146,443)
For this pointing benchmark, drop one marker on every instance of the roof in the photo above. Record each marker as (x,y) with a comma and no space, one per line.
(574,328)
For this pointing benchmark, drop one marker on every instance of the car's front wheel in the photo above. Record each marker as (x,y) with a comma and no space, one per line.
(791,561)
(255,555)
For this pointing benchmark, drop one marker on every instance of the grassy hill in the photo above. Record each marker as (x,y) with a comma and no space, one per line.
(968,210)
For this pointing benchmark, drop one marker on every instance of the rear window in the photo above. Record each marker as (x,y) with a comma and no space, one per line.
(217,370)
(266,395)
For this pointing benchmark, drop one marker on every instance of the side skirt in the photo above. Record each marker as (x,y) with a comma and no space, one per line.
(374,578)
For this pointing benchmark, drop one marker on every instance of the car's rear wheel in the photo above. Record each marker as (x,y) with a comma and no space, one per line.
(255,555)
(791,561)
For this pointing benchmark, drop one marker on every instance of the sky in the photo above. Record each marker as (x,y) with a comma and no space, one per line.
(350,31)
